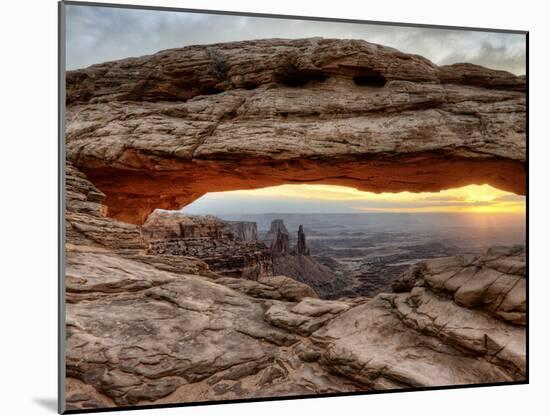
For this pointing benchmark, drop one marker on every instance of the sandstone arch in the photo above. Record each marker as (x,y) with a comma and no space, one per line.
(161,130)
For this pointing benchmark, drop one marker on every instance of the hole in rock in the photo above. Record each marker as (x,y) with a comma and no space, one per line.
(249,85)
(290,75)
(374,79)
(340,241)
(211,91)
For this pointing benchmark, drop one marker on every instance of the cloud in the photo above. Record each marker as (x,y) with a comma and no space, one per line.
(421,204)
(494,56)
(510,198)
(443,198)
(99,34)
(327,198)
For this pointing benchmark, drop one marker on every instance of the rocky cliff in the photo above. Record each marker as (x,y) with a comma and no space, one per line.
(280,246)
(229,248)
(276,227)
(296,263)
(162,225)
(173,224)
(301,248)
(245,231)
(174,125)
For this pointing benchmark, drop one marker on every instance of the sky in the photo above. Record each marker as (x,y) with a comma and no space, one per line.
(99,34)
(339,199)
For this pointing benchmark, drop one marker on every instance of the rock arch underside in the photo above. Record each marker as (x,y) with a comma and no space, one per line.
(160,131)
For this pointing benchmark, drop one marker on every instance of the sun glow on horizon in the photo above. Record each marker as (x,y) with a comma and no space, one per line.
(467,199)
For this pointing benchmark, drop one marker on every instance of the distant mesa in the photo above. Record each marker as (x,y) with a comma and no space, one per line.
(230,248)
(277,225)
(245,231)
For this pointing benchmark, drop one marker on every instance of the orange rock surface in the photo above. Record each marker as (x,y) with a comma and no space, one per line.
(161,130)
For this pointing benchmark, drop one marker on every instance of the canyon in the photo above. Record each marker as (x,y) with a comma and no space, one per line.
(234,249)
(165,308)
(228,248)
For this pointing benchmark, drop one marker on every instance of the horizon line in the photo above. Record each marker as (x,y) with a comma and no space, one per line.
(356,213)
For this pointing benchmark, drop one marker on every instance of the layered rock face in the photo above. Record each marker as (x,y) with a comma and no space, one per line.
(494,283)
(171,126)
(452,310)
(245,231)
(229,248)
(85,221)
(232,258)
(170,225)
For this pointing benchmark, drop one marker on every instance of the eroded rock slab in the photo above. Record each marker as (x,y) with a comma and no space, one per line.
(171,126)
(371,345)
(495,282)
(137,334)
(278,287)
(165,330)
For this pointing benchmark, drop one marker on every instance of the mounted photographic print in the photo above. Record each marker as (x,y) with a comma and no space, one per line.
(259,207)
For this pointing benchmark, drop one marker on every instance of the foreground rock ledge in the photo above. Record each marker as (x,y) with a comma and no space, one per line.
(159,131)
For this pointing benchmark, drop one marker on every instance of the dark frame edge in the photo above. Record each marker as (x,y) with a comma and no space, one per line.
(61,207)
(527,191)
